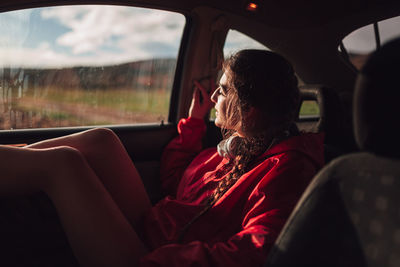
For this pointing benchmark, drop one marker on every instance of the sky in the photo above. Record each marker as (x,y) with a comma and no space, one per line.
(105,35)
(87,35)
(94,36)
(236,41)
(363,40)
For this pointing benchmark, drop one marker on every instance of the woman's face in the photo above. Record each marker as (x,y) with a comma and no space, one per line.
(221,98)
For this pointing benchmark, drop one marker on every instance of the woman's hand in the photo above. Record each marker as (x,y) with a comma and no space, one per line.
(201,101)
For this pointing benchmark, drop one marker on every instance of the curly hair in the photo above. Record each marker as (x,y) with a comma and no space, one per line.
(266,82)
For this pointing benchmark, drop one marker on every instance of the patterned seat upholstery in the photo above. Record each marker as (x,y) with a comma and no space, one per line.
(349,215)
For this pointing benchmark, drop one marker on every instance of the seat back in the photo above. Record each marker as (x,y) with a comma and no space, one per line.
(330,120)
(328,101)
(349,215)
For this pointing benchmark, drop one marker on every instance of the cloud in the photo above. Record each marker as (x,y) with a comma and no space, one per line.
(13,27)
(45,57)
(92,35)
(93,27)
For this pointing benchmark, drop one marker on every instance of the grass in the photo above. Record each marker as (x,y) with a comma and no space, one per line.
(59,116)
(309,108)
(54,107)
(153,101)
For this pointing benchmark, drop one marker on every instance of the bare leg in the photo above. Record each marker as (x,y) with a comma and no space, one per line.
(108,158)
(98,232)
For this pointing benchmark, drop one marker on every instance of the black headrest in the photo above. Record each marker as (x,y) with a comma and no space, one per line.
(377,102)
(330,109)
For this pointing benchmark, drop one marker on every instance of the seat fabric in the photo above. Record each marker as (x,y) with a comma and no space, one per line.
(349,215)
(331,120)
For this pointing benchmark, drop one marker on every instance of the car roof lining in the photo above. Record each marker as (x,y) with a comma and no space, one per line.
(304,23)
(298,14)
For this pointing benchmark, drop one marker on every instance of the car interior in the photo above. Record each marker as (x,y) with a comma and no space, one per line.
(328,227)
(348,214)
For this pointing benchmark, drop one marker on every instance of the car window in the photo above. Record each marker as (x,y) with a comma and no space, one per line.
(309,109)
(86,65)
(236,41)
(361,42)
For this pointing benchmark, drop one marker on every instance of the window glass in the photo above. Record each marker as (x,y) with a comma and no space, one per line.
(86,65)
(389,29)
(236,41)
(361,42)
(309,109)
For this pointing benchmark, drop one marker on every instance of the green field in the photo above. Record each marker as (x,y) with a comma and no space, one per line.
(153,102)
(309,108)
(54,107)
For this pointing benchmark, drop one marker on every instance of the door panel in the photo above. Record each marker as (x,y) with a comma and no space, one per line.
(144,144)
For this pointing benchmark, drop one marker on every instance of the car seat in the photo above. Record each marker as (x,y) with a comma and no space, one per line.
(330,119)
(349,215)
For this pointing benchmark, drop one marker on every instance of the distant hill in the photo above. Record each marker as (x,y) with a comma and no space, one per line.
(146,74)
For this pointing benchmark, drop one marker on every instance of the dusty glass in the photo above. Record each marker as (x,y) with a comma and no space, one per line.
(86,65)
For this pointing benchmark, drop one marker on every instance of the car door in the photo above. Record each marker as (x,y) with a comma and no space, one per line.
(70,68)
(64,69)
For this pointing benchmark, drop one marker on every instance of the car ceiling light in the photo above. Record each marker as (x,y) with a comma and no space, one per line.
(252,6)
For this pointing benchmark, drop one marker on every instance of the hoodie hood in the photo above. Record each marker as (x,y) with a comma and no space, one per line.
(310,144)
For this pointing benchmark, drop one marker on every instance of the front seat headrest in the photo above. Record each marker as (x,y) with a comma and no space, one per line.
(377,102)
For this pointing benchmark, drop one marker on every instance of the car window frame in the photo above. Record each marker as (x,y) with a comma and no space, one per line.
(175,99)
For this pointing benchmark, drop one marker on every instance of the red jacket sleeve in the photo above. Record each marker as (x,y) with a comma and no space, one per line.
(265,213)
(180,152)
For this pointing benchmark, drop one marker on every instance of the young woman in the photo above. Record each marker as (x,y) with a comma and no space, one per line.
(225,205)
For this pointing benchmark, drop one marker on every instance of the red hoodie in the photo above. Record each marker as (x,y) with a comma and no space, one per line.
(241,227)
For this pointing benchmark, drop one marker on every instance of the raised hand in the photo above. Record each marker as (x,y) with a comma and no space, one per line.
(201,101)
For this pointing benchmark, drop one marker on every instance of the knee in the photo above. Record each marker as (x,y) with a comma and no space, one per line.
(66,156)
(61,160)
(100,136)
(96,141)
